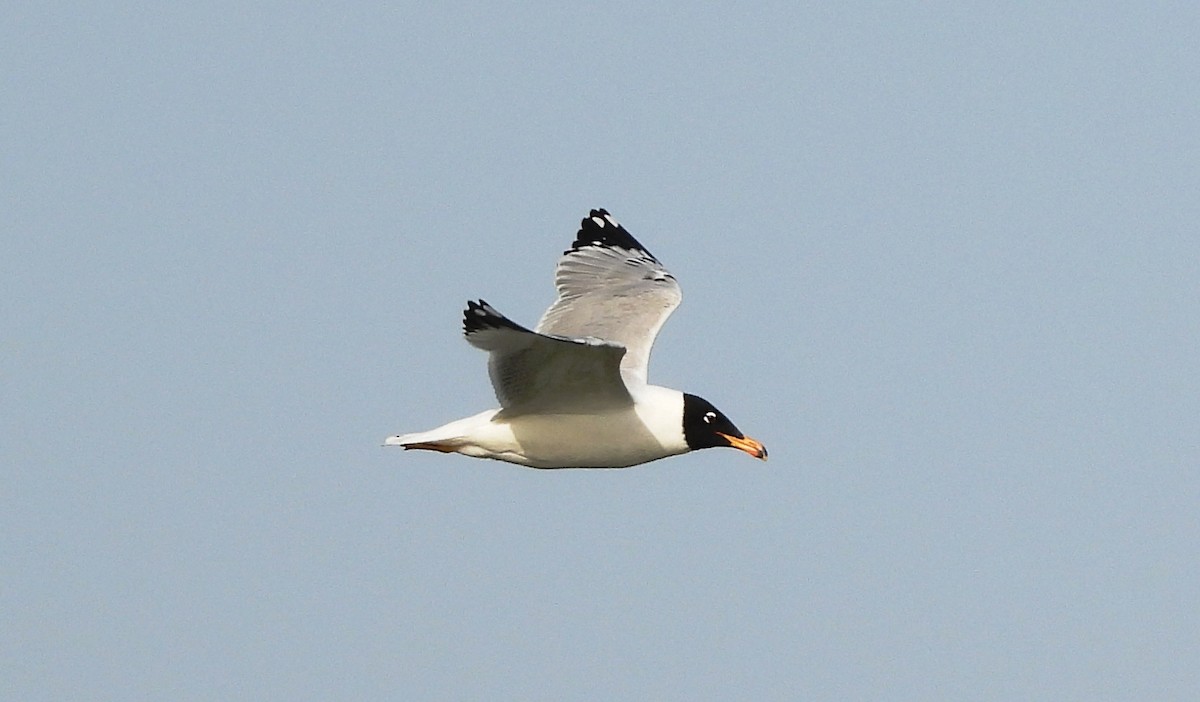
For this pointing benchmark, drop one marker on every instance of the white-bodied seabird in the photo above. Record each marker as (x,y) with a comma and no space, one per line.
(573,394)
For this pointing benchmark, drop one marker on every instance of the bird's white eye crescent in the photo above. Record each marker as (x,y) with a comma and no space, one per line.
(709,416)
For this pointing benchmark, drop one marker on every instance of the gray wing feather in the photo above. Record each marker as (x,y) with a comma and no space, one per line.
(610,287)
(536,372)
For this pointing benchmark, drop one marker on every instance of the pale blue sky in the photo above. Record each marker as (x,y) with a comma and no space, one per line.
(941,259)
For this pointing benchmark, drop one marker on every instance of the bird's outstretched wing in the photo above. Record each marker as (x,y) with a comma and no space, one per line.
(534,372)
(611,288)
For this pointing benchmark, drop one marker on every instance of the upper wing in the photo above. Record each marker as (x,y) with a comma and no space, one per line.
(536,372)
(610,287)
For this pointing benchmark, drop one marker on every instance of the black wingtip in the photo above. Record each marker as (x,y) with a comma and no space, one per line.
(599,228)
(480,315)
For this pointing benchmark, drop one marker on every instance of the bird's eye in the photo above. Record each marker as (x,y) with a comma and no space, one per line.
(709,416)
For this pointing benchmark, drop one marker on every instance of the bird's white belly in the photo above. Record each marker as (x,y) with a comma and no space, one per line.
(574,441)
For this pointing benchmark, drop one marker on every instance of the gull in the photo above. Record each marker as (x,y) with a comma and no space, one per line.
(573,393)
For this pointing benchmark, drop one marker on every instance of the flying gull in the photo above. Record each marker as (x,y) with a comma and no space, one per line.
(573,393)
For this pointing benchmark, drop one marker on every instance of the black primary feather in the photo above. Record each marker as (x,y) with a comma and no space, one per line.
(480,315)
(599,228)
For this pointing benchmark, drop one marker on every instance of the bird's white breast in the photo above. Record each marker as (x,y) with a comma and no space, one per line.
(649,429)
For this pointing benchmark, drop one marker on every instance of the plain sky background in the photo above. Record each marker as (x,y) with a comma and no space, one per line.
(941,258)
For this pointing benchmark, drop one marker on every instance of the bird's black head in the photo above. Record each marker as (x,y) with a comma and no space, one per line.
(704,426)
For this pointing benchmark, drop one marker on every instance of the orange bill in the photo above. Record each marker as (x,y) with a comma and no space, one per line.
(745,443)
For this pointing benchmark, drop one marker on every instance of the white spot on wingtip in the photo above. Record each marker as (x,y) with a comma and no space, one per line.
(599,222)
(611,220)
